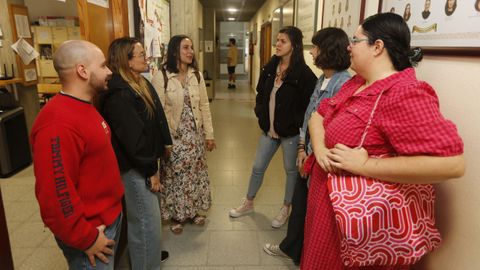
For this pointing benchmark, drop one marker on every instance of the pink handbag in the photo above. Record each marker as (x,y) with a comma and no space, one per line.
(382,223)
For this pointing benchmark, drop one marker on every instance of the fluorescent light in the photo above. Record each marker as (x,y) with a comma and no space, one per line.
(231,19)
(232,10)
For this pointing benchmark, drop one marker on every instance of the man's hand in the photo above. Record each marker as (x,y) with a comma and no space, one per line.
(102,247)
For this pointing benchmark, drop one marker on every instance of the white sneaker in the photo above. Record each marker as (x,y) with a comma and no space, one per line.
(243,209)
(274,250)
(281,217)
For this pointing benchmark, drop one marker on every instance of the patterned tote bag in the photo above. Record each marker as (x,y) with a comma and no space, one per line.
(382,223)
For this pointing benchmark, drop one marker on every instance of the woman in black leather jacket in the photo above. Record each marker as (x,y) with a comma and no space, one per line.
(140,136)
(283,93)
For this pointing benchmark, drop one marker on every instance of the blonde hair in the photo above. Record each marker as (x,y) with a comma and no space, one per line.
(119,53)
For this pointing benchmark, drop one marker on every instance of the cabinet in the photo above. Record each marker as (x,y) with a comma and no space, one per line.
(46,40)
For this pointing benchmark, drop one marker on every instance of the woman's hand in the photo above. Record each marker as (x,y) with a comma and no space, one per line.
(301,157)
(324,161)
(168,152)
(155,183)
(210,145)
(352,160)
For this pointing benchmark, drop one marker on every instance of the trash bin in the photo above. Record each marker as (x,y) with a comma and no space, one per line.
(14,145)
(210,91)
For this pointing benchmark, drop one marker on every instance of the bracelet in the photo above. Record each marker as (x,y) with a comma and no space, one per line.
(301,150)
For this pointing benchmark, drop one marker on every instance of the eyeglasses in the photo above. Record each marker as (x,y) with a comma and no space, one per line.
(355,40)
(142,54)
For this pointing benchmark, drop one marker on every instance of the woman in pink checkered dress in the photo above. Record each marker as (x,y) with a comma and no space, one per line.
(407,125)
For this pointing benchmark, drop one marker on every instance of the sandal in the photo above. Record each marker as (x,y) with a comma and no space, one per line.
(199,220)
(176,228)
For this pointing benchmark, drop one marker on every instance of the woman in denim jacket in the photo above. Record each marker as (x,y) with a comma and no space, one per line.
(330,54)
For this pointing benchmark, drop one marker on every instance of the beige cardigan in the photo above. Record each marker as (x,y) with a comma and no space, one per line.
(172,101)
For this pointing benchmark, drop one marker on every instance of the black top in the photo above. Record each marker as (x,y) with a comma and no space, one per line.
(291,99)
(137,139)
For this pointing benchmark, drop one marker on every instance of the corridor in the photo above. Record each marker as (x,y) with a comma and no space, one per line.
(222,244)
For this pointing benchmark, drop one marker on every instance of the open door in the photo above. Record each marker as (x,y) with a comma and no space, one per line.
(265,43)
(101,25)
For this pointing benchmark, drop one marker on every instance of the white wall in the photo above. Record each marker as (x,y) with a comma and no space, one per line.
(457,82)
(186,17)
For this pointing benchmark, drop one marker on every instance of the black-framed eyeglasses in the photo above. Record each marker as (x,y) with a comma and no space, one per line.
(355,40)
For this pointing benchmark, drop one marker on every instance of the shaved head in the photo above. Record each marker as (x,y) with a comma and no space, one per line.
(71,53)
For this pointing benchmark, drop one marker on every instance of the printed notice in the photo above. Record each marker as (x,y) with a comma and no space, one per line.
(25,50)
(23,29)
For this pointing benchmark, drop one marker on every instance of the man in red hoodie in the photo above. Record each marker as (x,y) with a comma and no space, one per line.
(78,184)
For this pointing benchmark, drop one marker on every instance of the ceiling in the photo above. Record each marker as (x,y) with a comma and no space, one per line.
(245,8)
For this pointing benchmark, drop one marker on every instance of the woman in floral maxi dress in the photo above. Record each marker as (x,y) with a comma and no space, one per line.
(184,174)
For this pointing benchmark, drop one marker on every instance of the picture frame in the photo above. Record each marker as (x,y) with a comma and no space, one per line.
(255,34)
(281,17)
(307,22)
(344,14)
(439,28)
(276,23)
(288,13)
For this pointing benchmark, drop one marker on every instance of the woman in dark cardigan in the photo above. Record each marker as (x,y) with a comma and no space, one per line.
(140,137)
(283,92)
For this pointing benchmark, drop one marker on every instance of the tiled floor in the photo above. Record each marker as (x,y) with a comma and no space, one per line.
(222,244)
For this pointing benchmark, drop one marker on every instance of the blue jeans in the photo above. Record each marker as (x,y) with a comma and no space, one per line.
(78,260)
(144,224)
(267,147)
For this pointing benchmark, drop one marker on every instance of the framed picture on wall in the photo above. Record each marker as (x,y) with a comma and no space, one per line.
(345,14)
(276,23)
(287,13)
(255,34)
(440,26)
(308,20)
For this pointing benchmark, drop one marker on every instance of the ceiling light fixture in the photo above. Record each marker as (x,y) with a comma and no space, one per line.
(231,19)
(232,10)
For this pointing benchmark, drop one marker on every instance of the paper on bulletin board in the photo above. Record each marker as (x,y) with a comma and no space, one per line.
(25,51)
(30,74)
(102,3)
(23,28)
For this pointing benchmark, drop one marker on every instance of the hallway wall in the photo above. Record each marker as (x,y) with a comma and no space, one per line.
(456,80)
(186,18)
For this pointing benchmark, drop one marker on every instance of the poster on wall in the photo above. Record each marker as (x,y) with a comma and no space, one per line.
(440,24)
(306,19)
(152,27)
(345,14)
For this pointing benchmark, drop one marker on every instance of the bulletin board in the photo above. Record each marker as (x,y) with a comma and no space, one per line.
(19,14)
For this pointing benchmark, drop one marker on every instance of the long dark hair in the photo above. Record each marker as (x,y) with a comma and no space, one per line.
(173,55)
(296,39)
(394,32)
(333,43)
